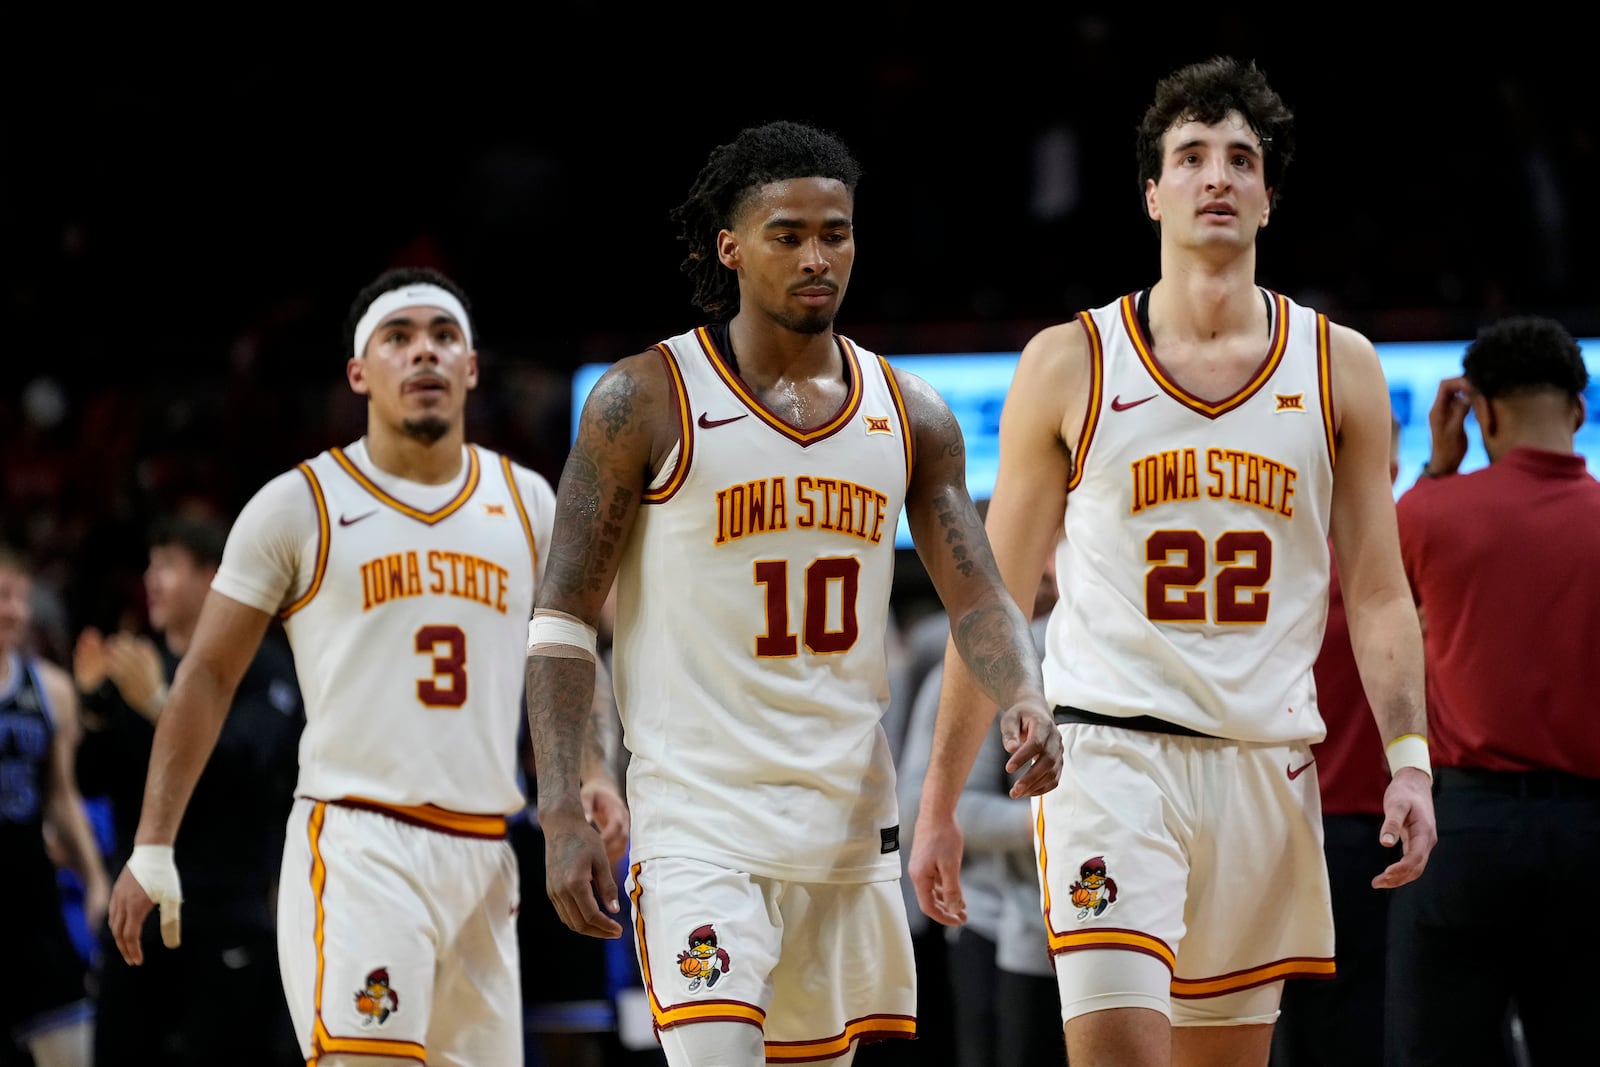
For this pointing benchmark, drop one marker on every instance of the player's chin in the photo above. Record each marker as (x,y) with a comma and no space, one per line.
(427,428)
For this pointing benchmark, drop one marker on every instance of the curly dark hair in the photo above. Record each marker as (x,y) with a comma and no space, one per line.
(396,278)
(1205,92)
(757,156)
(1523,353)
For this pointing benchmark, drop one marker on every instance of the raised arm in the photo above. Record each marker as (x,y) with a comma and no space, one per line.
(625,432)
(990,632)
(1024,525)
(1384,631)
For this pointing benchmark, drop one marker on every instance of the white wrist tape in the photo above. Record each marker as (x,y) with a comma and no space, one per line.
(555,633)
(152,867)
(1409,750)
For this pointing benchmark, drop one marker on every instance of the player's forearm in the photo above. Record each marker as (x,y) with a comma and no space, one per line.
(996,665)
(996,648)
(185,736)
(560,709)
(604,729)
(1387,643)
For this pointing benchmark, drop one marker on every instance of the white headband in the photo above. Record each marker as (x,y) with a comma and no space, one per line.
(422,294)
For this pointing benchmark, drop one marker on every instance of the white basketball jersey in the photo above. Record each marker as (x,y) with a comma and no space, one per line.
(752,607)
(411,640)
(1194,572)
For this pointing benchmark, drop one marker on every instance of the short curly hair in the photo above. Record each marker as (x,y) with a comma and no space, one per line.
(1205,92)
(757,156)
(1524,353)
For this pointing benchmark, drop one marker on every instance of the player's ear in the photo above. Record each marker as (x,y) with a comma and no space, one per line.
(356,372)
(1151,207)
(472,369)
(728,249)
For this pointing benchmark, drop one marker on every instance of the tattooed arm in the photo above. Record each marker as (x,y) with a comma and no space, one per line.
(984,569)
(625,432)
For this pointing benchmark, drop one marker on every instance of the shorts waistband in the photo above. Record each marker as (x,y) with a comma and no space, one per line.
(1525,784)
(1147,723)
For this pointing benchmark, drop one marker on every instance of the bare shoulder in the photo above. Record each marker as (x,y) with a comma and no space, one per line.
(1062,349)
(1356,370)
(925,407)
(1348,345)
(635,393)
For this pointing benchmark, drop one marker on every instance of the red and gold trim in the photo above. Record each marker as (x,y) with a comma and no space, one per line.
(321,569)
(430,817)
(1293,967)
(474,472)
(680,399)
(900,409)
(325,1044)
(870,1028)
(1330,422)
(1275,350)
(1091,417)
(845,414)
(522,510)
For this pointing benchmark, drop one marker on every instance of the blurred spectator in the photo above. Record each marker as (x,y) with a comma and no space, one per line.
(1505,566)
(216,998)
(45,1008)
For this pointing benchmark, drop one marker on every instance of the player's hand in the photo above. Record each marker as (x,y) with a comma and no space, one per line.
(1029,733)
(1407,821)
(577,872)
(935,868)
(608,813)
(148,879)
(89,660)
(134,667)
(1447,420)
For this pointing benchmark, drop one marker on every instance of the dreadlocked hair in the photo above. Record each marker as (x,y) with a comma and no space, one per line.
(759,155)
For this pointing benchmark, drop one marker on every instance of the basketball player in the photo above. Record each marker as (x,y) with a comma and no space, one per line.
(45,1007)
(1211,434)
(742,483)
(403,566)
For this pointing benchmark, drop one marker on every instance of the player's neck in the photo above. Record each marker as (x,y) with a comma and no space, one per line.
(766,353)
(1201,301)
(406,457)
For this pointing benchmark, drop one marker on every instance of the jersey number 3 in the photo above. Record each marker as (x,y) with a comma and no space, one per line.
(1173,587)
(448,647)
(825,578)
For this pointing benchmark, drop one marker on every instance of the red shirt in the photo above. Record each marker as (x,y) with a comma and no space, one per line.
(1351,767)
(1505,565)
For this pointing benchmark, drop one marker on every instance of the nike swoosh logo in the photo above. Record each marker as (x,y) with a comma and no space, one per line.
(706,423)
(345,520)
(1117,403)
(1295,772)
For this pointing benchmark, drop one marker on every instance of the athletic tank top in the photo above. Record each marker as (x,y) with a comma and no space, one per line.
(752,607)
(1194,571)
(410,643)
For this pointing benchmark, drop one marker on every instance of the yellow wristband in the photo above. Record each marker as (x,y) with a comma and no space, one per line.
(1409,750)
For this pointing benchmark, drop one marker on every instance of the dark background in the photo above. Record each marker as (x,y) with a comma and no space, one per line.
(186,211)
